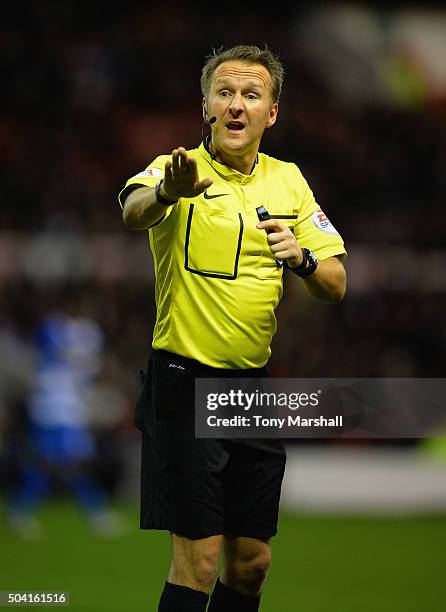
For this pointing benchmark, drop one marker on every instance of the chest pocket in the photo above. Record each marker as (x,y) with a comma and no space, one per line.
(213,242)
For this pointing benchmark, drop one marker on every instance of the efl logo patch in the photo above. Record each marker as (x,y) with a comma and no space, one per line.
(150,172)
(322,223)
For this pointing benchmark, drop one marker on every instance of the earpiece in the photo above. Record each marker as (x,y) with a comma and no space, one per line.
(205,113)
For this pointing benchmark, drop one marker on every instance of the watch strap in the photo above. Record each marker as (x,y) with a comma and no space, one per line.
(308,265)
(161,199)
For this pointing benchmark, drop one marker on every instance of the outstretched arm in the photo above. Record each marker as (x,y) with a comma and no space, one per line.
(141,208)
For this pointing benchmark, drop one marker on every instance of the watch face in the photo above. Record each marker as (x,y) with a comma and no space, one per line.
(312,256)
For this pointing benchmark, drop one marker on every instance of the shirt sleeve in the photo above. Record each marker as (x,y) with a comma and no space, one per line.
(147,178)
(313,229)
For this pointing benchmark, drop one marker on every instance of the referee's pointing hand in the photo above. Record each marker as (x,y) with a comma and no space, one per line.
(282,242)
(181,178)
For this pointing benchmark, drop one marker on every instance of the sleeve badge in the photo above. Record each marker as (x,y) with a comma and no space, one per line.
(323,223)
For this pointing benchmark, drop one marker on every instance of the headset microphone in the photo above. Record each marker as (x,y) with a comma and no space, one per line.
(211,120)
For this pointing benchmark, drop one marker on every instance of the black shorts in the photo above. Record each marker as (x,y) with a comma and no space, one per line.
(201,487)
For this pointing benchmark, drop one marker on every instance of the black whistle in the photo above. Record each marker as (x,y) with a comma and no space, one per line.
(264,215)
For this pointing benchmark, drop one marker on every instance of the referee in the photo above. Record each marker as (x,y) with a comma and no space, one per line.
(218,281)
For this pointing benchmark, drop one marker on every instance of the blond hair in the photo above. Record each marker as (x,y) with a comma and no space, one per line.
(245,53)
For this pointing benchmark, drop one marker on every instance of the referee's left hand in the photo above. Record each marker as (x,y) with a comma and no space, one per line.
(282,242)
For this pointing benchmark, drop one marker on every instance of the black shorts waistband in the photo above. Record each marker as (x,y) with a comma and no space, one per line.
(201,369)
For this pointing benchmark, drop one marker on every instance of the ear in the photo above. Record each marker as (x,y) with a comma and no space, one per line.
(204,108)
(272,115)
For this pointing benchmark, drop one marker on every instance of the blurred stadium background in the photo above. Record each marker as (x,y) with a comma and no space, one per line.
(92,92)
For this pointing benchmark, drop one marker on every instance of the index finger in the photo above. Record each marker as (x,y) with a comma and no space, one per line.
(273,225)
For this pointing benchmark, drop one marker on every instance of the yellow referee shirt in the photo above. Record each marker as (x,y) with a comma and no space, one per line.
(217,283)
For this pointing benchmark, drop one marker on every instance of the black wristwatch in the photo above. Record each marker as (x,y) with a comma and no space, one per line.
(308,265)
(161,199)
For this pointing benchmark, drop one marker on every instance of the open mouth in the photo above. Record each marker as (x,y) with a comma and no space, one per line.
(234,126)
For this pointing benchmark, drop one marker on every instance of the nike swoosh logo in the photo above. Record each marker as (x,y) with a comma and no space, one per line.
(211,197)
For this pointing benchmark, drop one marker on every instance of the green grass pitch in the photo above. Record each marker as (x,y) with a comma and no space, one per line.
(320,564)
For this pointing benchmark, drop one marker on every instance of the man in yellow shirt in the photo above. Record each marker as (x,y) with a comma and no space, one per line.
(218,281)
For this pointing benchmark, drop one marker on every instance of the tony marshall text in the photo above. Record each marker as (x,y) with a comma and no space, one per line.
(261,421)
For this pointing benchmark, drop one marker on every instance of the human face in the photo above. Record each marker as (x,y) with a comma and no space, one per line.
(240,99)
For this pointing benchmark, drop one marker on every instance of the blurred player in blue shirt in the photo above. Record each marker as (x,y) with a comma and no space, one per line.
(69,349)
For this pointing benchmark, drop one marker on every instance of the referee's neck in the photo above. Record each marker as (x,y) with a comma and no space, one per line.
(242,163)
